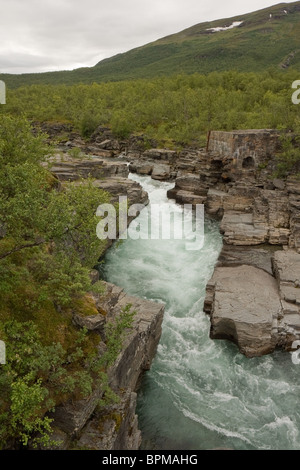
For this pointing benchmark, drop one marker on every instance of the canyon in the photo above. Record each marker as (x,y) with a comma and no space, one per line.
(253,296)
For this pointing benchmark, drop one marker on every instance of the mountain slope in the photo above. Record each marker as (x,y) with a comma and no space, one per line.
(251,42)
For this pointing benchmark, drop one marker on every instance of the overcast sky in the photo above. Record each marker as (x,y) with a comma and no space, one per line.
(46,35)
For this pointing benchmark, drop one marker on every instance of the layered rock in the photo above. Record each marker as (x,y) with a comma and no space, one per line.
(255,305)
(83,423)
(252,297)
(286,265)
(259,215)
(164,165)
(245,304)
(293,191)
(113,428)
(248,148)
(67,168)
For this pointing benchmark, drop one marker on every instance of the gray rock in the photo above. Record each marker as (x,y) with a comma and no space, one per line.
(244,305)
(118,186)
(141,168)
(259,257)
(141,343)
(186,197)
(138,351)
(115,428)
(238,229)
(94,276)
(159,154)
(279,184)
(72,169)
(287,267)
(92,322)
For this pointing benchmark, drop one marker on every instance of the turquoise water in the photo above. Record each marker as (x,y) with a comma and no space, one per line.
(200,393)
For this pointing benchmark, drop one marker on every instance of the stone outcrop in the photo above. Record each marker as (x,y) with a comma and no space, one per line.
(252,298)
(248,148)
(293,191)
(286,265)
(259,219)
(68,168)
(107,175)
(83,423)
(114,428)
(256,305)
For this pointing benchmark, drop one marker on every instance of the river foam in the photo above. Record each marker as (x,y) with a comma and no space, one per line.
(200,393)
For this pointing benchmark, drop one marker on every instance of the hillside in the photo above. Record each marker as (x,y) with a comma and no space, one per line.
(268,38)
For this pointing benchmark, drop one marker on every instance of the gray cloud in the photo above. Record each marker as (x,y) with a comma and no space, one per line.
(46,35)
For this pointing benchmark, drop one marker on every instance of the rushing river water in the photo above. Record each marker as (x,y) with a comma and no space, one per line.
(201,393)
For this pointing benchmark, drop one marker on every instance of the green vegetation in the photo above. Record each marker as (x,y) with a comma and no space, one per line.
(179,109)
(259,43)
(47,248)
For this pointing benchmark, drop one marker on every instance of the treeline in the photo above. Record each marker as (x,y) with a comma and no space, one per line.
(176,110)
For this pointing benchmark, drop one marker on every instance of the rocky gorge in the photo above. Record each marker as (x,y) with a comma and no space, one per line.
(253,296)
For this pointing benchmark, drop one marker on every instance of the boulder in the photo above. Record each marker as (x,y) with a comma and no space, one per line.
(244,305)
(161,172)
(118,186)
(108,429)
(72,169)
(287,268)
(259,257)
(91,323)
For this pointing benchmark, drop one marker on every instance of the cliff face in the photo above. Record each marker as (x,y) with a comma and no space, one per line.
(83,424)
(252,298)
(248,301)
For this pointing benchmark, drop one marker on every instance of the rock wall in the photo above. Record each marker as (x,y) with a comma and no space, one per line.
(247,148)
(259,219)
(83,424)
(248,301)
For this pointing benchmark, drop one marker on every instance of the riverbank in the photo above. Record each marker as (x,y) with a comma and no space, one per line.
(258,215)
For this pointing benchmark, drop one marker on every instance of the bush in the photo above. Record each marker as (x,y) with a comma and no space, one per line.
(88,125)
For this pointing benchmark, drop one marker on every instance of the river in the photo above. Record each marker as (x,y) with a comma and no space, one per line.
(200,393)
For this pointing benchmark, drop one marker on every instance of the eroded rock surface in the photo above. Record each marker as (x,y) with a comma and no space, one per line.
(245,308)
(114,427)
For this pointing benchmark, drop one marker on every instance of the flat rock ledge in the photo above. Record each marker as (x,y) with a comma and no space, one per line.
(257,304)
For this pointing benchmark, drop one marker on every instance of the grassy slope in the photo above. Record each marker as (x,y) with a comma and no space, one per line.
(260,42)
